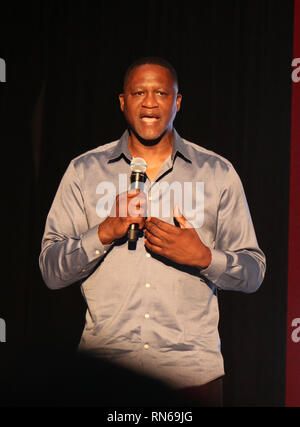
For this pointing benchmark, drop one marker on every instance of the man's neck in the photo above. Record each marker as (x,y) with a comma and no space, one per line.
(155,154)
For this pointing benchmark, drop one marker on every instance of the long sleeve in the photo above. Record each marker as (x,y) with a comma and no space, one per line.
(238,263)
(142,310)
(70,249)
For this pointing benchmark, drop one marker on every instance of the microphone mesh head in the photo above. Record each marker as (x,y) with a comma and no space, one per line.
(138,165)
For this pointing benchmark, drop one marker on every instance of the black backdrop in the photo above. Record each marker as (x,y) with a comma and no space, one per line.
(65,62)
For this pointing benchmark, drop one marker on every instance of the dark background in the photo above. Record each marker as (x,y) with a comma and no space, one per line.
(65,63)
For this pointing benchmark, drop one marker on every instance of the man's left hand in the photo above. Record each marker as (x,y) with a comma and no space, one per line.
(181,245)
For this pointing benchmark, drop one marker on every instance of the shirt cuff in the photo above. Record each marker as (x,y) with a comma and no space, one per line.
(217,266)
(92,245)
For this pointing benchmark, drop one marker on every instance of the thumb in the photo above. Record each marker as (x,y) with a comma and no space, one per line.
(179,217)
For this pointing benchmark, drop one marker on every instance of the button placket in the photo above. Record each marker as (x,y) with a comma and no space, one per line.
(147,297)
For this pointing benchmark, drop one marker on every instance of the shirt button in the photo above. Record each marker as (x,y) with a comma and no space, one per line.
(97,252)
(148,285)
(147,315)
(149,198)
(104,251)
(148,255)
(146,346)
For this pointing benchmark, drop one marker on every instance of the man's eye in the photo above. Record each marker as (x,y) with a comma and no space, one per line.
(160,92)
(139,93)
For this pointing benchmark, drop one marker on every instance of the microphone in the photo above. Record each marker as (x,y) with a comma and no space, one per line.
(138,168)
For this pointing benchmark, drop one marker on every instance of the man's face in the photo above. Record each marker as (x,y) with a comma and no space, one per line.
(150,101)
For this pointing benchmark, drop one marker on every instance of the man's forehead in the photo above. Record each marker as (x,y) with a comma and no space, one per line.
(150,73)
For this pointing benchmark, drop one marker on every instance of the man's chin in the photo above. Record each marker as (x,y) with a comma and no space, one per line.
(149,138)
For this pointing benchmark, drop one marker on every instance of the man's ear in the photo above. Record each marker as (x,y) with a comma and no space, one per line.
(122,100)
(178,101)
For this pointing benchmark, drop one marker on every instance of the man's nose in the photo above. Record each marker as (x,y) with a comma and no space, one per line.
(149,100)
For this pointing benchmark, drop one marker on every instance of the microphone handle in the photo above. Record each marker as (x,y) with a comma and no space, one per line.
(133,233)
(137,178)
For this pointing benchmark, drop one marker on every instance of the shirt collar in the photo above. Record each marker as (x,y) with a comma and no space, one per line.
(180,147)
(121,148)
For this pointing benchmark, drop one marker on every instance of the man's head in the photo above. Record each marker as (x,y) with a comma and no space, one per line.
(154,60)
(150,98)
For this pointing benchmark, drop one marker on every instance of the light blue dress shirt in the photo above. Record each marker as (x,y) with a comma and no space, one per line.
(144,311)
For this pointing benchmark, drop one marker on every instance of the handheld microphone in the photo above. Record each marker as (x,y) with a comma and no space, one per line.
(138,168)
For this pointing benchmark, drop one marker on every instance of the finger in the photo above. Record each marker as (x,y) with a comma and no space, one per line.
(153,239)
(121,203)
(176,212)
(153,247)
(127,195)
(133,192)
(137,206)
(179,217)
(162,225)
(182,221)
(154,229)
(142,223)
(141,200)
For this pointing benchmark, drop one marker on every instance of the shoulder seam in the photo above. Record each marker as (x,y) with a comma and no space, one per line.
(101,148)
(207,152)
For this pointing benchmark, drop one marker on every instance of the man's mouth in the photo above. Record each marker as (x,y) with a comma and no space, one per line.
(149,118)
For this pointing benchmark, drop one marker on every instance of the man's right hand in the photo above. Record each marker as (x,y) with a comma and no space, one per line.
(129,208)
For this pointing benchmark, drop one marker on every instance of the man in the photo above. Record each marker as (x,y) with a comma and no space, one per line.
(153,309)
